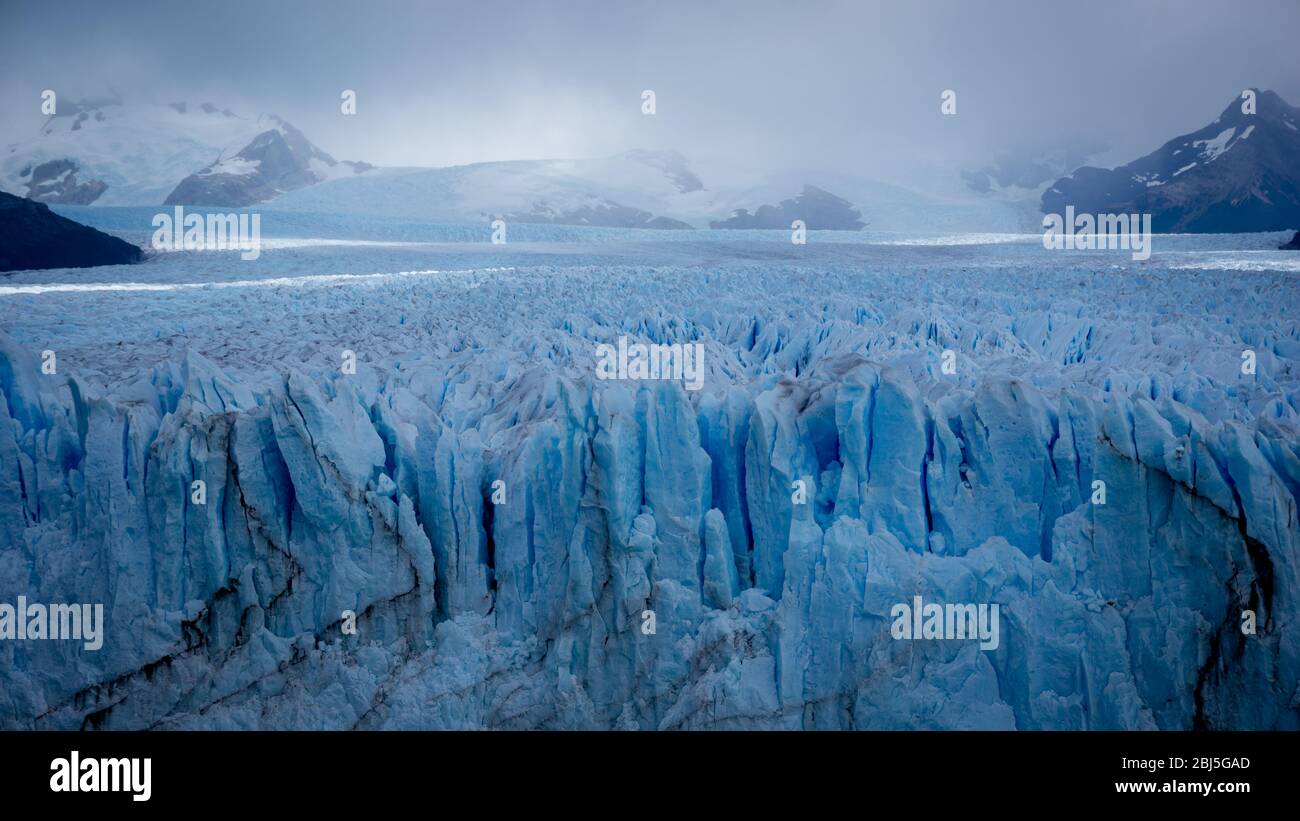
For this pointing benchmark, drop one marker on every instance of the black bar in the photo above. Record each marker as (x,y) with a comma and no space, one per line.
(329,770)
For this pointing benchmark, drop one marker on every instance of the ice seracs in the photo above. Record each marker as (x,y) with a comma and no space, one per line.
(498,529)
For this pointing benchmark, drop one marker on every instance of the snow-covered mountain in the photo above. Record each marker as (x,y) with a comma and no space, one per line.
(1239,173)
(635,189)
(883,206)
(1015,173)
(115,153)
(108,152)
(279,159)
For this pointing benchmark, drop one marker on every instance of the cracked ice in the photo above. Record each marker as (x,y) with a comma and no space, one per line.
(372,492)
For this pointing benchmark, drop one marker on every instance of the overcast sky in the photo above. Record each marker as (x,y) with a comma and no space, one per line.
(850,85)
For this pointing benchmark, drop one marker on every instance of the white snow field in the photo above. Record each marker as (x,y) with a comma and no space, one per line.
(140,151)
(527,545)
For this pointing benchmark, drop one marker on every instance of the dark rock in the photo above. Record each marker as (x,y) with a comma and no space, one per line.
(34,237)
(820,211)
(276,161)
(1293,245)
(56,181)
(1240,173)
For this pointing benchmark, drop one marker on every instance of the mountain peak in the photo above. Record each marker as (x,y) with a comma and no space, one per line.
(1269,105)
(276,161)
(112,152)
(1236,174)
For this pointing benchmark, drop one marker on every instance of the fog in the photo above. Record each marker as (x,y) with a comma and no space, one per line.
(852,86)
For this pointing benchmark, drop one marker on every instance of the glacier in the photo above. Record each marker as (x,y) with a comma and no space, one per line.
(526,546)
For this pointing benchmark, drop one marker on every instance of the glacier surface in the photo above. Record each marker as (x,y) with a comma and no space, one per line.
(502,523)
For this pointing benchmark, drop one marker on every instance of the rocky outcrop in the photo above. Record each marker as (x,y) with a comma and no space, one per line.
(275,162)
(56,181)
(34,237)
(819,210)
(1239,173)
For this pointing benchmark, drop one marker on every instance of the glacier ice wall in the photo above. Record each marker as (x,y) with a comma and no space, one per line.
(373,492)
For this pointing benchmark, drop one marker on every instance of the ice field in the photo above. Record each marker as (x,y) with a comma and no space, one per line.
(526,545)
